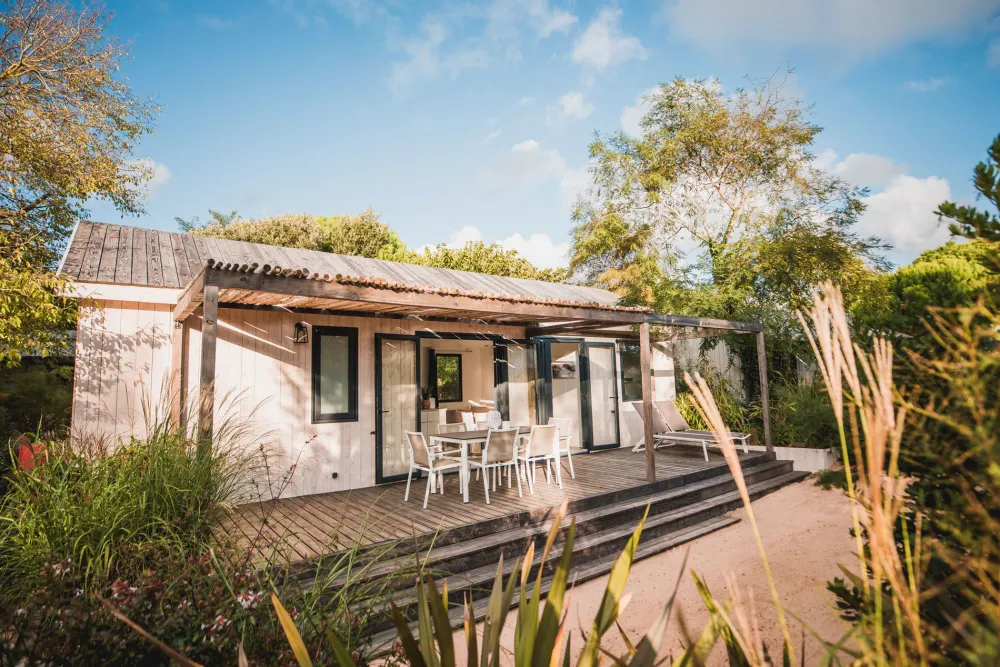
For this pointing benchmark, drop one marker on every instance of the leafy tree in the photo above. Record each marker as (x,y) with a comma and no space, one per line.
(493,259)
(731,177)
(68,123)
(289,231)
(217,218)
(366,235)
(968,221)
(363,235)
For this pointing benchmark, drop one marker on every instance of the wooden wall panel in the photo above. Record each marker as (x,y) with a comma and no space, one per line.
(123,359)
(261,375)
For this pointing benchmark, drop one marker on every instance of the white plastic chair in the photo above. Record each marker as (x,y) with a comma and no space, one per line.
(430,460)
(565,426)
(542,445)
(499,452)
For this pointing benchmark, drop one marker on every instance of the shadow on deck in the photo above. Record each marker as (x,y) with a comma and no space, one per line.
(307,527)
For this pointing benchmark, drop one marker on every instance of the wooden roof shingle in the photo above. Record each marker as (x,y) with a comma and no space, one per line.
(154,258)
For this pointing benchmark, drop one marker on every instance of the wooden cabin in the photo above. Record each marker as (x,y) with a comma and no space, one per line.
(326,355)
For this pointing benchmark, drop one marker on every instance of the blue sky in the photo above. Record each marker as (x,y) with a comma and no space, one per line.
(461,120)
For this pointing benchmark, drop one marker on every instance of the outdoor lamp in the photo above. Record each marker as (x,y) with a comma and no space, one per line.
(301,333)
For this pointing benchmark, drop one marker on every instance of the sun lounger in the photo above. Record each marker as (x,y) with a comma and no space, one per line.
(682,431)
(662,433)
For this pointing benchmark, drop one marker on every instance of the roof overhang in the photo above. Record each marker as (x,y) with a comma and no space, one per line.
(297,290)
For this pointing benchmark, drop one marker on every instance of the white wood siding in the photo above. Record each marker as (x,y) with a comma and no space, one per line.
(122,380)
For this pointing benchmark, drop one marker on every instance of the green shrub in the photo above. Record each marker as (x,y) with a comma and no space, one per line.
(36,397)
(738,415)
(801,416)
(87,509)
(141,526)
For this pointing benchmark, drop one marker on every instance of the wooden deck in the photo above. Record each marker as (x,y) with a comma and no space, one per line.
(309,526)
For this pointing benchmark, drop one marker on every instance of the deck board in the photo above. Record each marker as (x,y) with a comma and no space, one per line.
(309,526)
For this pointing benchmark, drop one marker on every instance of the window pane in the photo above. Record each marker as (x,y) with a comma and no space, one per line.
(334,374)
(631,374)
(449,378)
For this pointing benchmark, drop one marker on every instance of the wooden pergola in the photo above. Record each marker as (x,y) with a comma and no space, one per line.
(248,285)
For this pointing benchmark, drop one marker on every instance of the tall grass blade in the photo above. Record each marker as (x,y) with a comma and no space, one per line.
(292,633)
(608,611)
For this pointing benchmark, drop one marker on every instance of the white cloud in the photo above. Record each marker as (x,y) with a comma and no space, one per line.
(570,105)
(926,85)
(546,20)
(902,211)
(425,57)
(862,169)
(491,136)
(575,105)
(158,175)
(539,249)
(632,115)
(603,45)
(903,214)
(850,28)
(526,165)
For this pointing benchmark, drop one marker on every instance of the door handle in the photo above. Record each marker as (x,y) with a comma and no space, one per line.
(383,411)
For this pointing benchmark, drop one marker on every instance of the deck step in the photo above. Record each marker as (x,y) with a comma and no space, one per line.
(482,528)
(600,549)
(384,639)
(469,554)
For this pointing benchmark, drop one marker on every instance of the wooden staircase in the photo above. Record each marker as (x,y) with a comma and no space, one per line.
(680,509)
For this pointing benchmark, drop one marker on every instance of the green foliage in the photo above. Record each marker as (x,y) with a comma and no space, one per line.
(801,415)
(736,412)
(479,257)
(951,276)
(202,602)
(969,221)
(732,174)
(91,508)
(140,528)
(366,235)
(36,397)
(68,126)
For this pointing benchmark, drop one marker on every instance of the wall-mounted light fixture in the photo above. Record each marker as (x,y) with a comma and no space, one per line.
(301,333)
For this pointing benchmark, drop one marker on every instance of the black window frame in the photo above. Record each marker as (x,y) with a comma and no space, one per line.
(621,371)
(352,375)
(437,377)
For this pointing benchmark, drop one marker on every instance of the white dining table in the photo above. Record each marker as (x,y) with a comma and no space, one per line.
(463,439)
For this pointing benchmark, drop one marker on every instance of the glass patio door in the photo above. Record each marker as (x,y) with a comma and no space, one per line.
(601,393)
(397,403)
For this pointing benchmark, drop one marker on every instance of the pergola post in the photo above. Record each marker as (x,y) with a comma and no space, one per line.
(209,334)
(764,407)
(645,366)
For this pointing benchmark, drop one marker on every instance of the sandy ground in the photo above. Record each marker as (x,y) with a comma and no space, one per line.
(805,533)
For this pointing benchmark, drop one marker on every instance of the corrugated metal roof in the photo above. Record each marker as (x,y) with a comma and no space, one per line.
(123,255)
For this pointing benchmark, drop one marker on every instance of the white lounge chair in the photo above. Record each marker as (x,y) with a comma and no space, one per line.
(679,426)
(662,434)
(669,426)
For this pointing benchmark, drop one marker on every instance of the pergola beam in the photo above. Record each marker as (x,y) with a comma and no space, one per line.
(206,396)
(764,407)
(645,369)
(319,289)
